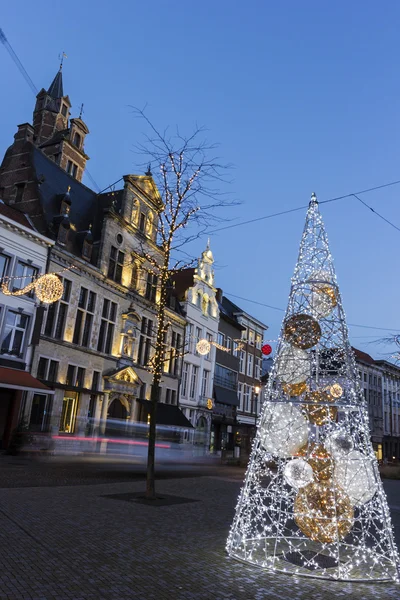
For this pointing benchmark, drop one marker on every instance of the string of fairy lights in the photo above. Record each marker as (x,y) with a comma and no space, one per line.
(312,503)
(48,288)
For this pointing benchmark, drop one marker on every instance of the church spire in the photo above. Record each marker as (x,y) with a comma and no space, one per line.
(56,87)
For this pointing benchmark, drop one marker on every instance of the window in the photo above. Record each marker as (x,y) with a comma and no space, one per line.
(75,376)
(251,337)
(116,264)
(38,412)
(19,192)
(146,333)
(246,398)
(225,377)
(142,222)
(107,326)
(250,365)
(209,340)
(77,140)
(221,339)
(193,382)
(258,341)
(151,287)
(242,361)
(174,353)
(189,338)
(14,334)
(57,314)
(235,348)
(64,110)
(240,396)
(24,274)
(365,377)
(257,373)
(170,396)
(69,412)
(229,343)
(4,264)
(198,337)
(96,380)
(84,317)
(72,168)
(244,334)
(47,369)
(204,383)
(185,378)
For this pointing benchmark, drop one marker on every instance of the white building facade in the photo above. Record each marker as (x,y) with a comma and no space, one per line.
(197,293)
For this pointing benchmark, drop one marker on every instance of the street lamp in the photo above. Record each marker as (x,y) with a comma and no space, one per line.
(255,403)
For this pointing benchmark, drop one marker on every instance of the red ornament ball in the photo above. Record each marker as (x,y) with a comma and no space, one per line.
(266,349)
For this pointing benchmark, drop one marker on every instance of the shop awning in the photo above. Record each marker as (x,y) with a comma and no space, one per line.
(225,396)
(16,379)
(168,414)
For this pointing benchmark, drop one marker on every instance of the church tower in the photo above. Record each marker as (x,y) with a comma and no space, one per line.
(59,137)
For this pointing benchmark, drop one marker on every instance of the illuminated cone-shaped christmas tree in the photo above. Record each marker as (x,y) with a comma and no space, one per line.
(312,501)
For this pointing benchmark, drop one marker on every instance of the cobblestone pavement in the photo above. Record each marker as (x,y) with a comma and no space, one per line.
(75,542)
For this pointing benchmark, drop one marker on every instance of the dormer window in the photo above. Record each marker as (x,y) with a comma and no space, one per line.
(64,110)
(72,169)
(77,140)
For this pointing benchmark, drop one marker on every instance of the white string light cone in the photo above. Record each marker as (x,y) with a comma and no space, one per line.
(312,502)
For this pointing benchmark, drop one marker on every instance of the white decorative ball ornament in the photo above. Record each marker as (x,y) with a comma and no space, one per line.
(293,364)
(355,474)
(321,305)
(319,278)
(284,429)
(298,473)
(339,443)
(203,347)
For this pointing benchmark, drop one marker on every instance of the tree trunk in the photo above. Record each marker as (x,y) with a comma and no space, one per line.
(150,477)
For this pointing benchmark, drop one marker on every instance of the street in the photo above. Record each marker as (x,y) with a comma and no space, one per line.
(76,530)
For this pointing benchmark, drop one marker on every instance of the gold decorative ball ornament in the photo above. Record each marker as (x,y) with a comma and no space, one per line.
(293,365)
(320,460)
(302,331)
(336,391)
(203,347)
(323,512)
(317,411)
(49,288)
(294,389)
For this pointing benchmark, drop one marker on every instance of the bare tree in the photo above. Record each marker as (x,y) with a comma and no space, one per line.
(188,176)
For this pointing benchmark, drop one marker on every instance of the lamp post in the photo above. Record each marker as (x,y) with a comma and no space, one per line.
(255,404)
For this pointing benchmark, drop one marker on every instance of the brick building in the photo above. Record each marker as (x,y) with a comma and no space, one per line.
(97,341)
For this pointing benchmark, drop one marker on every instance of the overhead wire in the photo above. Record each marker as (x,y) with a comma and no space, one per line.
(283,310)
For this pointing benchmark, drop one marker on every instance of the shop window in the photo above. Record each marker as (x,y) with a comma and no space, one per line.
(69,412)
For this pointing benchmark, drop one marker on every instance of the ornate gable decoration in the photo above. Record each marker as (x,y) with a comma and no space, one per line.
(124,380)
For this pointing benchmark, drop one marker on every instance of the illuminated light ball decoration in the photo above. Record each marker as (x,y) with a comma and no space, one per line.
(312,502)
(298,473)
(266,349)
(354,473)
(339,443)
(302,331)
(293,365)
(320,461)
(283,430)
(323,513)
(49,288)
(294,389)
(316,409)
(203,347)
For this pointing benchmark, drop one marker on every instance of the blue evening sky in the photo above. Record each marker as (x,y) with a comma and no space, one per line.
(301,96)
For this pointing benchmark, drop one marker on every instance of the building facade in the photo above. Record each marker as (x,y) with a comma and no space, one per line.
(197,294)
(250,371)
(23,257)
(224,436)
(97,341)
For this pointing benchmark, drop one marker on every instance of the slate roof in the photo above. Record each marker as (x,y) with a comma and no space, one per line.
(56,87)
(15,215)
(363,356)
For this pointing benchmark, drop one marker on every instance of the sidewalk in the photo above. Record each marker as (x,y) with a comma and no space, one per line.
(77,542)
